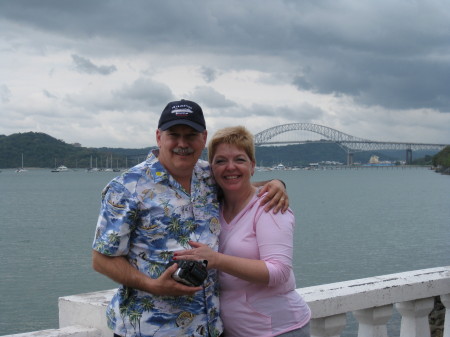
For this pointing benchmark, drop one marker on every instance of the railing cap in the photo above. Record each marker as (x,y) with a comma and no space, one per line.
(341,297)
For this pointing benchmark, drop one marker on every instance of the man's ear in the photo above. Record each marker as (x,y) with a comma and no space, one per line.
(158,137)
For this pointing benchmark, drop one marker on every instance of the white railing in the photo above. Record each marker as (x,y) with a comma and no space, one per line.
(371,300)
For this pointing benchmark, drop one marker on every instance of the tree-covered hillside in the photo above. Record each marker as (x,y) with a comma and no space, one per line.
(442,160)
(41,150)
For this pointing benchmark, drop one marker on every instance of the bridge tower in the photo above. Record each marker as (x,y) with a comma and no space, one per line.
(408,156)
(349,158)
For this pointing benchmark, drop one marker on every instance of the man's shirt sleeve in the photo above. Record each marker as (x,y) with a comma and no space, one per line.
(116,220)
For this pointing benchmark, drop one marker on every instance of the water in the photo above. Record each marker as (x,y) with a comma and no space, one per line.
(350,224)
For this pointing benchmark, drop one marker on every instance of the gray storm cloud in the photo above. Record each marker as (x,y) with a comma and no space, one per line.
(392,54)
(84,65)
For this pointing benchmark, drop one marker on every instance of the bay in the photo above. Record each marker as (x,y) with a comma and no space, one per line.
(351,223)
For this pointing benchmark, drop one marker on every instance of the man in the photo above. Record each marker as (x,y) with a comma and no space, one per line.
(153,210)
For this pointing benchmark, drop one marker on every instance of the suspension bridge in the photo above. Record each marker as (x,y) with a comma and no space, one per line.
(349,143)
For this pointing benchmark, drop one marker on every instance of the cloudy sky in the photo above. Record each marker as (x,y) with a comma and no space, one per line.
(100,72)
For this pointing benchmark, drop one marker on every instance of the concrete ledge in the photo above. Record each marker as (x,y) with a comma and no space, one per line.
(86,309)
(69,331)
(341,297)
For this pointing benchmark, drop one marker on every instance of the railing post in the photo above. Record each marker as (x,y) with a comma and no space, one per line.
(330,326)
(372,321)
(445,299)
(415,317)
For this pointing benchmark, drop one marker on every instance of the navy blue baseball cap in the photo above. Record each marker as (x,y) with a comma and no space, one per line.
(182,112)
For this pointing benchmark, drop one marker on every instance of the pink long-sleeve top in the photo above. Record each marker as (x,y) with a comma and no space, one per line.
(250,309)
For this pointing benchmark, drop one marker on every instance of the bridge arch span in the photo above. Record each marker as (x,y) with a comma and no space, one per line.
(334,135)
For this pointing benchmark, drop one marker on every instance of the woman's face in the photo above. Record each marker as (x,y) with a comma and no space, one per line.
(232,167)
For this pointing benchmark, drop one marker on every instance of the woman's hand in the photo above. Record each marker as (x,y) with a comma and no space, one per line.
(200,251)
(254,271)
(276,197)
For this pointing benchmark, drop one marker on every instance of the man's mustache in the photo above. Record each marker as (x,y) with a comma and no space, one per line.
(183,151)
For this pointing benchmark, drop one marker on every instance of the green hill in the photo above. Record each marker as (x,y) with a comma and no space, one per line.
(442,160)
(44,151)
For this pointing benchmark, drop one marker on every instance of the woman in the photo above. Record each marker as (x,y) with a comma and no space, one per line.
(258,296)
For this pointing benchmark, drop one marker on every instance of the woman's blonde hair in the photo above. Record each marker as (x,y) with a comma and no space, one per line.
(238,136)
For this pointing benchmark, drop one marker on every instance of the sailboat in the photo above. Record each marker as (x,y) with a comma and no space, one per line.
(93,169)
(21,169)
(108,169)
(117,169)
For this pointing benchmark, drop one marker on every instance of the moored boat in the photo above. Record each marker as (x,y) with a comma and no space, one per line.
(60,168)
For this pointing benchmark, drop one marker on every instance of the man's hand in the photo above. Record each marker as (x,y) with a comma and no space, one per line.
(276,197)
(165,285)
(120,270)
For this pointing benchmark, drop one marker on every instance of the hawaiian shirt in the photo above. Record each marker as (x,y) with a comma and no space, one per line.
(145,216)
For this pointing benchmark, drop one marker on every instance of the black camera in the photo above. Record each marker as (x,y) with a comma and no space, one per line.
(190,273)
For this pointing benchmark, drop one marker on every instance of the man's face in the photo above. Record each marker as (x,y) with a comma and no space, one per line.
(179,149)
